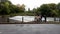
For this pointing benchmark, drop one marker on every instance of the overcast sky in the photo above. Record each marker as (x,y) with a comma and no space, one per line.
(33,3)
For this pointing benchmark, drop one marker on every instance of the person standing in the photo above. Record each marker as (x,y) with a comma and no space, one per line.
(45,17)
(40,18)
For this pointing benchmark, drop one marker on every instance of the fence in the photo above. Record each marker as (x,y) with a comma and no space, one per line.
(29,19)
(52,19)
(32,18)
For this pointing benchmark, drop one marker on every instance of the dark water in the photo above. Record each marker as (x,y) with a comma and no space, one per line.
(30,29)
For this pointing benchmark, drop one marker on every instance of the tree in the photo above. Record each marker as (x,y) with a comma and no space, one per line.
(21,7)
(45,10)
(36,11)
(8,8)
(53,9)
(58,8)
(4,9)
(49,10)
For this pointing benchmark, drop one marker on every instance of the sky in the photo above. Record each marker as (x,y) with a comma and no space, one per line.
(33,3)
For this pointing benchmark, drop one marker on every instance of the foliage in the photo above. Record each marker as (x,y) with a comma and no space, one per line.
(7,8)
(50,10)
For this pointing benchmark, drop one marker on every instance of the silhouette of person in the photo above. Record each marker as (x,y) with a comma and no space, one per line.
(45,17)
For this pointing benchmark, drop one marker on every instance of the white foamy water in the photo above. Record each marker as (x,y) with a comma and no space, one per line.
(30,18)
(25,18)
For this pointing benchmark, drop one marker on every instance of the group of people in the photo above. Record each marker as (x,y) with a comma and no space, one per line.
(39,18)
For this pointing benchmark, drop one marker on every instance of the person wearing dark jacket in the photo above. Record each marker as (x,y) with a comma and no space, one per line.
(45,17)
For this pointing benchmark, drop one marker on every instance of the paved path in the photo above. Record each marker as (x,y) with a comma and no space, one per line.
(30,29)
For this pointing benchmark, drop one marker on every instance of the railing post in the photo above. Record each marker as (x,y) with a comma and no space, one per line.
(54,19)
(59,19)
(22,19)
